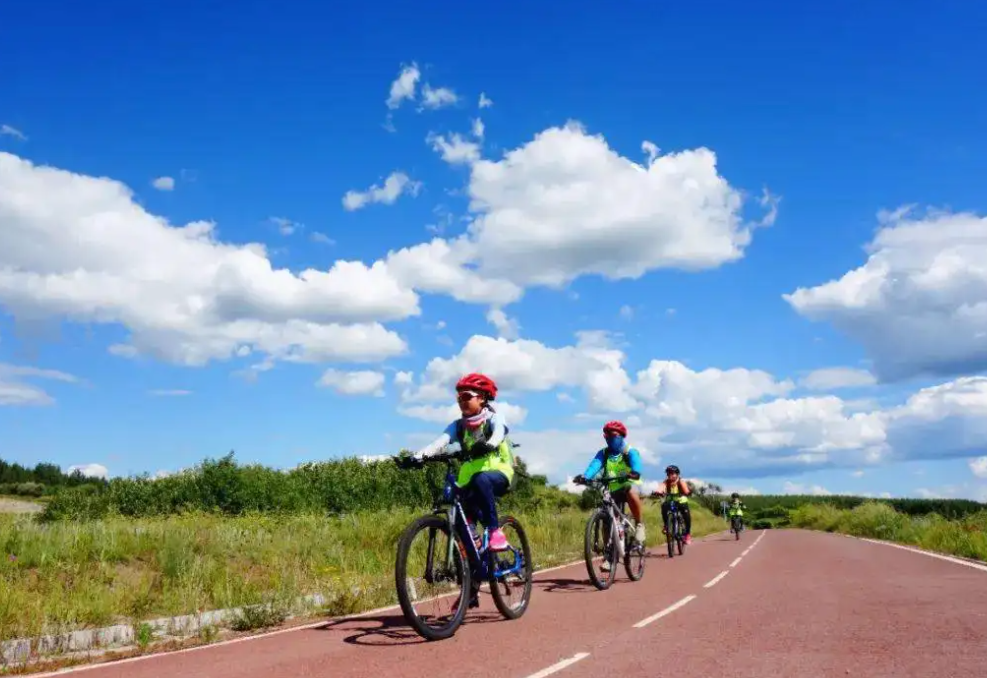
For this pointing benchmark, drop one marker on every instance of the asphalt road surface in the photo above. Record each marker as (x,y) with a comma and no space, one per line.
(783,603)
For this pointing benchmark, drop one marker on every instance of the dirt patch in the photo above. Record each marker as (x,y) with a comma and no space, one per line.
(18,506)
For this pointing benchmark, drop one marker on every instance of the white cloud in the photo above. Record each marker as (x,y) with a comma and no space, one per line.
(164,183)
(626,312)
(396,184)
(831,378)
(8,131)
(484,101)
(404,86)
(15,392)
(858,474)
(506,327)
(478,128)
(978,467)
(565,204)
(321,238)
(942,421)
(770,203)
(90,470)
(285,226)
(799,488)
(79,247)
(919,304)
(455,150)
(437,98)
(166,392)
(362,382)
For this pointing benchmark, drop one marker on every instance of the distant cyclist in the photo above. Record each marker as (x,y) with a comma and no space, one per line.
(615,459)
(736,507)
(673,488)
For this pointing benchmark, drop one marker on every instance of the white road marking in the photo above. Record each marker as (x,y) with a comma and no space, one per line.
(555,668)
(736,562)
(667,610)
(958,561)
(714,580)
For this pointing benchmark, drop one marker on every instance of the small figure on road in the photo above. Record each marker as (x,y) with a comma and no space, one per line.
(675,489)
(619,458)
(736,507)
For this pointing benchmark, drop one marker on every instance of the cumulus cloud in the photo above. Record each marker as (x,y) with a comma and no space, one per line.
(918,305)
(396,184)
(90,470)
(285,226)
(978,467)
(565,204)
(361,382)
(478,128)
(484,102)
(799,488)
(435,98)
(404,86)
(506,327)
(455,150)
(831,378)
(79,247)
(164,183)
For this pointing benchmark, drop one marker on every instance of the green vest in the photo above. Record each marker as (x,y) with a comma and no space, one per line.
(673,494)
(501,459)
(614,466)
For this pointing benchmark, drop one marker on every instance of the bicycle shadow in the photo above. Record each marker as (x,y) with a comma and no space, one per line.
(393,630)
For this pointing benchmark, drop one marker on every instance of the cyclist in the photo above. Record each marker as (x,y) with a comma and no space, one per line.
(615,459)
(675,489)
(736,507)
(488,468)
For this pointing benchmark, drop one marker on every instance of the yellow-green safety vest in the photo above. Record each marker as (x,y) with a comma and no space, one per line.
(673,494)
(501,459)
(614,466)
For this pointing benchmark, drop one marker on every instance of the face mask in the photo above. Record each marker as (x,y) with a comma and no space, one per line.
(615,444)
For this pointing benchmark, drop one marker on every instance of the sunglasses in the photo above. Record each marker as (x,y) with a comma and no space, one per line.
(466,396)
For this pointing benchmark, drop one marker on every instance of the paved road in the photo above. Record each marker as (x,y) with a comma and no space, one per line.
(797,604)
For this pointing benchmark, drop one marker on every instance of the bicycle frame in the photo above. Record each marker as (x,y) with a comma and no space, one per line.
(483,565)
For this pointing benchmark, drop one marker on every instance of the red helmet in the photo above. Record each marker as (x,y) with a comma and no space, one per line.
(615,427)
(478,382)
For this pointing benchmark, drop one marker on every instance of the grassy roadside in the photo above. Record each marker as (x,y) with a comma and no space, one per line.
(965,537)
(63,576)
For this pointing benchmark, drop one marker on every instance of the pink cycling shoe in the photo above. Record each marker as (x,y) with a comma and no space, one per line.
(498,542)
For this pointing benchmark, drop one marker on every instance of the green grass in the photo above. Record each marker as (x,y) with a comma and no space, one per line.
(64,575)
(965,537)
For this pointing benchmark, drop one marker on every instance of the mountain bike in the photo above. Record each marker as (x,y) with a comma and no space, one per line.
(610,533)
(457,565)
(674,527)
(737,525)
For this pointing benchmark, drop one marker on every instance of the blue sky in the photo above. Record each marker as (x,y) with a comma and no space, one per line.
(595,277)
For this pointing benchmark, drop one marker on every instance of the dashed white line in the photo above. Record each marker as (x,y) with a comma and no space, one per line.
(958,561)
(747,551)
(735,562)
(667,610)
(555,668)
(714,580)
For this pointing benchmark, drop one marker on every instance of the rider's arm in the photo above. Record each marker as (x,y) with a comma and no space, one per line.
(684,488)
(595,466)
(498,426)
(436,445)
(634,457)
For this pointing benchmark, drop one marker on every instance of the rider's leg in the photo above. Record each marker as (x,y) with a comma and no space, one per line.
(485,487)
(634,501)
(684,508)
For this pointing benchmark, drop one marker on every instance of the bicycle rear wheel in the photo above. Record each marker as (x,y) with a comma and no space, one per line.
(518,557)
(601,539)
(450,580)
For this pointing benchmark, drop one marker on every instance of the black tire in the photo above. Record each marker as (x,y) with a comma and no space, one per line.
(670,534)
(680,534)
(500,599)
(461,565)
(599,524)
(736,528)
(635,556)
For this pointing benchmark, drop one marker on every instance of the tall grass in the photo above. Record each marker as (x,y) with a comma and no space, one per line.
(965,537)
(65,575)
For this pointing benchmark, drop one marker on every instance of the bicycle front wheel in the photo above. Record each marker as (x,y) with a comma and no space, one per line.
(670,533)
(426,578)
(680,533)
(512,591)
(635,557)
(601,540)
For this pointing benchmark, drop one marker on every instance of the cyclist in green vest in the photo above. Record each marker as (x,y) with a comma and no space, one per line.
(736,506)
(675,489)
(488,467)
(619,458)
